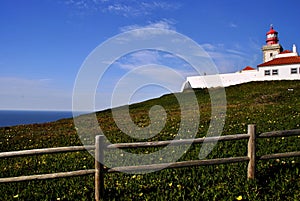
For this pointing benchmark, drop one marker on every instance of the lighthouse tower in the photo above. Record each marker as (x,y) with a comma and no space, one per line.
(272,47)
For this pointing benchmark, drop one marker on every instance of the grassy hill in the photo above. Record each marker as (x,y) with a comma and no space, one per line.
(270,105)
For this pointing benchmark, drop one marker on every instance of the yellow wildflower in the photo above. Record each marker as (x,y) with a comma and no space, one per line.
(239,197)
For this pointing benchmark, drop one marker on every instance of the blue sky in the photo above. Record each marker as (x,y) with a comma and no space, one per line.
(45,42)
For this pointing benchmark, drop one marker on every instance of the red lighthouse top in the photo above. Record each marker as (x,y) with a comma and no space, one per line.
(272,36)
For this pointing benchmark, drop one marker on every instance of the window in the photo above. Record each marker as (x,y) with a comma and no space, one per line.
(275,72)
(267,72)
(271,54)
(294,71)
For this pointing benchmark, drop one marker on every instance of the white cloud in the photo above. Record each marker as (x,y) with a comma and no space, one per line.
(233,25)
(139,58)
(236,52)
(138,8)
(125,8)
(161,24)
(120,8)
(208,46)
(230,59)
(146,57)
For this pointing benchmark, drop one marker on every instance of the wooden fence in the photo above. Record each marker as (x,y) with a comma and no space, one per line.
(100,147)
(46,151)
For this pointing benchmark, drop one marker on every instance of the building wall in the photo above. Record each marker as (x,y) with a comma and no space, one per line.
(284,72)
(208,81)
(270,51)
(219,80)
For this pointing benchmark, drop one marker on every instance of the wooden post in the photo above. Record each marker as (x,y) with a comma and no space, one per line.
(99,168)
(251,151)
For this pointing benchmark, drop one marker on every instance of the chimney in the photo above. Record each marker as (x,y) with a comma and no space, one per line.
(295,49)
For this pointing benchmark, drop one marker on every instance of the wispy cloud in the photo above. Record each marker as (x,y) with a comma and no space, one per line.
(233,25)
(230,59)
(124,8)
(150,57)
(139,58)
(160,24)
(138,8)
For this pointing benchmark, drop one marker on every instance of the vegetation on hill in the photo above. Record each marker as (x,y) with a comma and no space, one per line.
(273,105)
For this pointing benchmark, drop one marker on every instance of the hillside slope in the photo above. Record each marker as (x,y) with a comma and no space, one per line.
(271,106)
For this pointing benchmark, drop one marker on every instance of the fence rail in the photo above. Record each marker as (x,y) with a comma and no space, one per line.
(181,164)
(177,142)
(285,133)
(279,155)
(251,157)
(47,176)
(100,147)
(32,152)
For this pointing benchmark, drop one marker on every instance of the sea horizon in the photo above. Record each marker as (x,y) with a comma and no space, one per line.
(22,117)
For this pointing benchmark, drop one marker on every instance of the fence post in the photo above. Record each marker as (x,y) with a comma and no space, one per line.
(99,168)
(251,151)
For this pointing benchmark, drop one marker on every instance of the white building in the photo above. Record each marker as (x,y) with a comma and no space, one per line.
(278,64)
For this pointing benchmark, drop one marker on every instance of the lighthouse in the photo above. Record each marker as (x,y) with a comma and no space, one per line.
(272,47)
(278,64)
(272,36)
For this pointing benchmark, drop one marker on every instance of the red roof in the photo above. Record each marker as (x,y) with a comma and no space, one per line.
(248,68)
(272,31)
(282,61)
(285,51)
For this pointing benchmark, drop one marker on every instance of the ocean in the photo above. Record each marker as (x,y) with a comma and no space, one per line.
(15,117)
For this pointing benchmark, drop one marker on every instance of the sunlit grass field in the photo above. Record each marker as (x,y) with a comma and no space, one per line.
(273,105)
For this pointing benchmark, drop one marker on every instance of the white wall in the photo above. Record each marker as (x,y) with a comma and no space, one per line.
(208,81)
(284,72)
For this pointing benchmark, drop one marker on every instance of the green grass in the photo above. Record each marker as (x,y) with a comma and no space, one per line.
(269,105)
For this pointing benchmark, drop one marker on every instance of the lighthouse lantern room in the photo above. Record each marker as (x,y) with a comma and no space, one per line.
(272,36)
(272,47)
